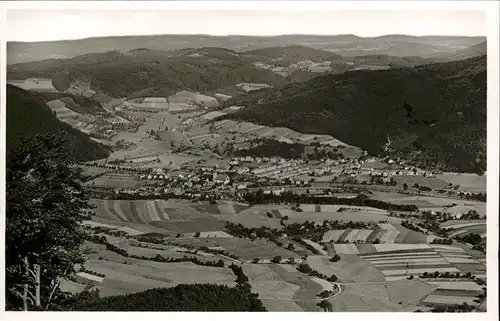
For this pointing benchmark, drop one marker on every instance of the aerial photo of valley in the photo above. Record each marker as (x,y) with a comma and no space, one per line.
(281,173)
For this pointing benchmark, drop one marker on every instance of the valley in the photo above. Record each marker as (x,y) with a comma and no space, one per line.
(295,178)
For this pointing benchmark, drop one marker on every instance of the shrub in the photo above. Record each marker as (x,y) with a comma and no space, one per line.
(276,259)
(332,278)
(335,258)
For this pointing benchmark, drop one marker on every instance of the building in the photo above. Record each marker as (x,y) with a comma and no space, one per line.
(221,178)
(155,100)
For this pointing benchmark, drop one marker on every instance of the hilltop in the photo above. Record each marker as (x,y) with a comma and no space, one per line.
(470,52)
(287,55)
(21,103)
(433,114)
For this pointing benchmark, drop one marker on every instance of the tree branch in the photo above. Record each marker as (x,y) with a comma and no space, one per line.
(54,288)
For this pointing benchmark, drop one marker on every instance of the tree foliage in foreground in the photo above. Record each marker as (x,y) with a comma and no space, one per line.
(183,297)
(44,201)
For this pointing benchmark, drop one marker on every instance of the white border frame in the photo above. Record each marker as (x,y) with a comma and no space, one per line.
(492,9)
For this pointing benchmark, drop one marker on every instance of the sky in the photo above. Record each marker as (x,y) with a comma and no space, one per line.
(53,24)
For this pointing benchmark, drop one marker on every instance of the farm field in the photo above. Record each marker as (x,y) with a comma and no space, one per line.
(160,214)
(319,217)
(461,208)
(393,296)
(283,289)
(460,259)
(431,203)
(281,134)
(453,293)
(244,249)
(390,234)
(90,171)
(464,227)
(143,228)
(62,112)
(472,183)
(275,305)
(349,269)
(397,261)
(316,246)
(71,286)
(115,180)
(44,85)
(152,252)
(364,298)
(141,211)
(268,283)
(249,219)
(432,182)
(308,288)
(143,275)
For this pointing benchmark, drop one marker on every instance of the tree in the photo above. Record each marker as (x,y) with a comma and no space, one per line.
(405,186)
(276,259)
(290,247)
(61,81)
(197,234)
(44,206)
(325,305)
(304,268)
(333,278)
(335,258)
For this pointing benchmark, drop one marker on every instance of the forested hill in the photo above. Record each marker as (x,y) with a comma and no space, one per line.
(183,297)
(434,115)
(142,72)
(28,115)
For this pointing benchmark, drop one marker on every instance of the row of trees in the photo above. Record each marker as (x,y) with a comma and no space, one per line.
(446,275)
(241,278)
(158,258)
(306,268)
(289,197)
(298,231)
(409,225)
(442,241)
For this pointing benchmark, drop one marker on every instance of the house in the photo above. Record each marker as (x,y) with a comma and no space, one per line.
(221,178)
(243,170)
(278,191)
(155,100)
(241,186)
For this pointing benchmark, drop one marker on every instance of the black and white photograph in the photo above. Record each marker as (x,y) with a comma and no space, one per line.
(249,157)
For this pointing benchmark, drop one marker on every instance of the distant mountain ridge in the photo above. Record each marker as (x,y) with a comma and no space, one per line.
(434,115)
(345,45)
(144,72)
